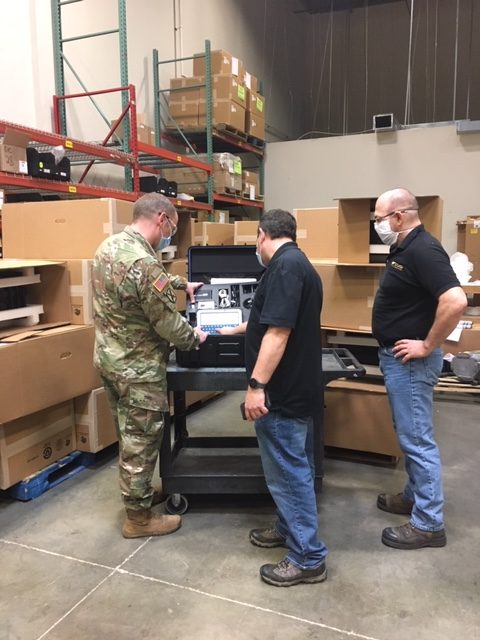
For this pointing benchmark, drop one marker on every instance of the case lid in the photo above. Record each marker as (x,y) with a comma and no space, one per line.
(223,261)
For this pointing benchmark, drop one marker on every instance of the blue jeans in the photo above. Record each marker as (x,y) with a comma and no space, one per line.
(410,392)
(286,449)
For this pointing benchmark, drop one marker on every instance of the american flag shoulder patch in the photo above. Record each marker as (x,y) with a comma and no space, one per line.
(161,282)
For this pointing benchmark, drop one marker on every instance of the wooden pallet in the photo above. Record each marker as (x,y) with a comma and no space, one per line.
(232,131)
(228,191)
(256,142)
(57,472)
(246,196)
(451,384)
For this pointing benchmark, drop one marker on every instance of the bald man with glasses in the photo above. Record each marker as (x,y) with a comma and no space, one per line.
(418,304)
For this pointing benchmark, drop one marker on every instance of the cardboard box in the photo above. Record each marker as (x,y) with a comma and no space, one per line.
(45,369)
(354,216)
(223,112)
(212,233)
(317,233)
(64,229)
(81,293)
(185,89)
(94,424)
(357,416)
(256,104)
(217,215)
(255,125)
(222,63)
(468,241)
(226,182)
(194,181)
(245,232)
(31,443)
(348,295)
(185,113)
(145,133)
(191,181)
(469,341)
(250,81)
(250,184)
(193,233)
(13,152)
(178,268)
(46,294)
(225,87)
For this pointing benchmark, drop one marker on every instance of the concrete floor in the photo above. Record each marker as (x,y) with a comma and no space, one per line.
(67,573)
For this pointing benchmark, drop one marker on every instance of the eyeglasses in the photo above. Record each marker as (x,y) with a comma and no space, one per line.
(387,215)
(173,227)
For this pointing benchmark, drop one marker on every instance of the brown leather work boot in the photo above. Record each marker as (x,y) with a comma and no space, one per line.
(408,537)
(394,503)
(143,523)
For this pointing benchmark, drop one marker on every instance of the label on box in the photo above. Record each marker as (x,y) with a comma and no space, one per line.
(248,80)
(22,166)
(237,167)
(234,66)
(252,192)
(259,105)
(476,225)
(241,92)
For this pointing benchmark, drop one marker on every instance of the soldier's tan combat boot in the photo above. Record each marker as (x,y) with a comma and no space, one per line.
(144,523)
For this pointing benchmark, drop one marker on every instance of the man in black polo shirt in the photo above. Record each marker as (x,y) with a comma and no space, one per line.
(418,304)
(284,367)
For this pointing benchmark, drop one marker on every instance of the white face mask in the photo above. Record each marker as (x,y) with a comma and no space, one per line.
(385,233)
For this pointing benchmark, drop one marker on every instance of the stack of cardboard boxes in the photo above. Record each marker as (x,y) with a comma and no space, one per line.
(52,400)
(227,176)
(236,102)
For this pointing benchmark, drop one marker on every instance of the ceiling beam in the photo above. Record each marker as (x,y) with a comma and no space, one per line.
(325,6)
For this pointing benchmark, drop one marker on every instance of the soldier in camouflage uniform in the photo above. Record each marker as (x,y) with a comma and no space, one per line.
(135,322)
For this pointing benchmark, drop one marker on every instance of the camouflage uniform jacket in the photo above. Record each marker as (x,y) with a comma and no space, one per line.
(134,310)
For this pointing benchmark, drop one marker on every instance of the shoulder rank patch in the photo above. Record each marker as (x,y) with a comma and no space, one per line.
(161,282)
(396,265)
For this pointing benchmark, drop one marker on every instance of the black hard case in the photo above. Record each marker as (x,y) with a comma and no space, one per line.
(205,263)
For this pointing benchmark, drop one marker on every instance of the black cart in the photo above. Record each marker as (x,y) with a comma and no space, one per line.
(226,465)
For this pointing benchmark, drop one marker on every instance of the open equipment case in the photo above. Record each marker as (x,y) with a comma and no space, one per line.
(235,272)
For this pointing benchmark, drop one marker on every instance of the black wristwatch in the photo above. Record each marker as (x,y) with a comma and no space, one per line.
(255,384)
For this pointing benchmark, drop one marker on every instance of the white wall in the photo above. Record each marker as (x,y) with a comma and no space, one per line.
(26,63)
(428,161)
(266,35)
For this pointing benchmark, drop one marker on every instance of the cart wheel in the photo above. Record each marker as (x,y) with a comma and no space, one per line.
(176,504)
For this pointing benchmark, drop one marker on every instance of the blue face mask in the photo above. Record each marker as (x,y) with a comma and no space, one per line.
(163,244)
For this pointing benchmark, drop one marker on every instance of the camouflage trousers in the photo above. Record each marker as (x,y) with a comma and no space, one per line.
(138,411)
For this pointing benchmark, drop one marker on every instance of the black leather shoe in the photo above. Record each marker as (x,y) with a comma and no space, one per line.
(394,503)
(286,574)
(408,537)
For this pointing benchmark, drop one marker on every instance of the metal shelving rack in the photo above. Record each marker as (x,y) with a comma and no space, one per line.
(87,153)
(147,158)
(208,139)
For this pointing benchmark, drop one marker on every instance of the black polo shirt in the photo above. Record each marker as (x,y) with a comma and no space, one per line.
(290,295)
(417,272)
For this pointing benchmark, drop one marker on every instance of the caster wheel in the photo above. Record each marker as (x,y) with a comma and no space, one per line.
(176,504)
